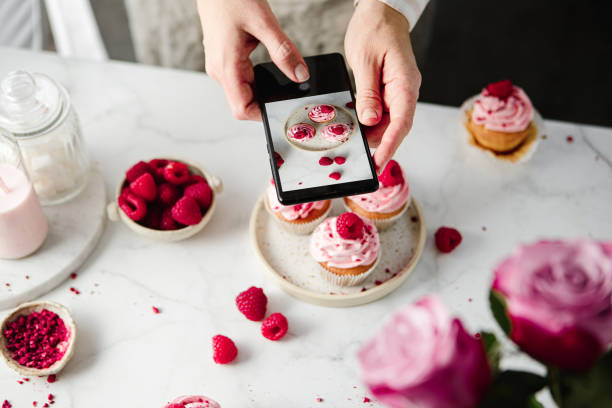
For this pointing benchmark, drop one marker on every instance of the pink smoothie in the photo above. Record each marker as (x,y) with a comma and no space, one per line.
(23,225)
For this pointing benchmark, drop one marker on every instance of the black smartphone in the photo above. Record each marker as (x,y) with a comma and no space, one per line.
(317,148)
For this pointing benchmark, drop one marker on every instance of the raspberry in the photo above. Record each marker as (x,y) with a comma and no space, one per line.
(144,187)
(133,206)
(167,194)
(335,175)
(501,89)
(201,192)
(176,173)
(325,161)
(51,379)
(167,223)
(187,211)
(224,349)
(279,160)
(391,175)
(447,239)
(138,170)
(340,159)
(252,303)
(153,218)
(158,168)
(196,178)
(349,226)
(274,327)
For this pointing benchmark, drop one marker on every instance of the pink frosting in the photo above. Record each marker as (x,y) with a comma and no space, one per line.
(510,115)
(291,212)
(326,245)
(301,132)
(337,132)
(322,113)
(193,401)
(385,199)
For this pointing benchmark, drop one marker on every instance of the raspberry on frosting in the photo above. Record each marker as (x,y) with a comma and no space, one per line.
(301,132)
(392,174)
(502,89)
(349,226)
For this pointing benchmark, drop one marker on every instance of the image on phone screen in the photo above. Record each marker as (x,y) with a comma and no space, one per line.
(317,147)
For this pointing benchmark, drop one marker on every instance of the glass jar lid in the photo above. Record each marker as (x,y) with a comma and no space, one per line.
(29,102)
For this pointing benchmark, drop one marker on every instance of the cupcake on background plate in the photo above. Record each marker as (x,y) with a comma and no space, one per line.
(300,218)
(501,118)
(387,204)
(193,401)
(347,248)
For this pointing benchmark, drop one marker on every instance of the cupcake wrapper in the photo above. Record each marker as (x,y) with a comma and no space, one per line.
(302,228)
(384,223)
(347,280)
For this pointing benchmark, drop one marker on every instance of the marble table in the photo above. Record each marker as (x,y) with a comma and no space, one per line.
(127,356)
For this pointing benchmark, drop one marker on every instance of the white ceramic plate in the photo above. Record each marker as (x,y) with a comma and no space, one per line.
(318,143)
(289,263)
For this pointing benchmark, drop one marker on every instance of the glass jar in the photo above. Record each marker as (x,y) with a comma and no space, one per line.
(38,112)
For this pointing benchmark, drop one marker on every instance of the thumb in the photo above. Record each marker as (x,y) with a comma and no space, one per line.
(369,105)
(283,52)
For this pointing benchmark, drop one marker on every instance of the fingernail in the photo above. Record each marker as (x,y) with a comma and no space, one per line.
(301,73)
(368,114)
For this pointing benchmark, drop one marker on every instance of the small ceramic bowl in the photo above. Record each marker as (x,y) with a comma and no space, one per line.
(116,214)
(25,309)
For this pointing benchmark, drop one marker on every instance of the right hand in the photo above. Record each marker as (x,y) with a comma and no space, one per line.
(232,29)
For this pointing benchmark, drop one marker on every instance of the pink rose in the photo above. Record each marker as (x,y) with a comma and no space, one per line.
(559,300)
(424,358)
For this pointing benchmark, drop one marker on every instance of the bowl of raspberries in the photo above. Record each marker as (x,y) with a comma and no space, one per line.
(166,199)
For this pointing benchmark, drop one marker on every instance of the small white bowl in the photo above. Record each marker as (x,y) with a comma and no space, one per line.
(116,214)
(25,309)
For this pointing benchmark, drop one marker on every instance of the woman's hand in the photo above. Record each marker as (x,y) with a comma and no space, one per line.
(378,49)
(232,29)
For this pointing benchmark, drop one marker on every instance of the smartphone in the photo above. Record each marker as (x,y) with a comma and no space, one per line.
(317,147)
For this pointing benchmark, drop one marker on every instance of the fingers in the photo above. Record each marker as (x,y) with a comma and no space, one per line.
(239,91)
(367,80)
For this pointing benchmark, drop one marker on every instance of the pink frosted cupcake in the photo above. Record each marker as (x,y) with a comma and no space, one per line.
(337,132)
(300,218)
(347,248)
(322,113)
(387,204)
(193,401)
(301,132)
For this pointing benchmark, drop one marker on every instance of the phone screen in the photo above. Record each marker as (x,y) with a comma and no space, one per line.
(317,147)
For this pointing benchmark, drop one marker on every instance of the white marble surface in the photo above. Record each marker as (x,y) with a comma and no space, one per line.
(127,356)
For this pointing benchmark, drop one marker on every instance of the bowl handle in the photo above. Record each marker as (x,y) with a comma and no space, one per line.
(216,184)
(112,210)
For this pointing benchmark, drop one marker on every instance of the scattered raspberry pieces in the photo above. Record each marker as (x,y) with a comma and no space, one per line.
(177,173)
(350,105)
(50,397)
(366,400)
(335,175)
(75,291)
(279,160)
(144,187)
(138,170)
(377,282)
(134,207)
(201,192)
(187,211)
(73,275)
(349,226)
(155,310)
(224,349)
(51,379)
(252,303)
(319,399)
(447,239)
(570,139)
(34,403)
(391,175)
(477,335)
(6,404)
(274,327)
(501,89)
(167,223)
(340,160)
(325,161)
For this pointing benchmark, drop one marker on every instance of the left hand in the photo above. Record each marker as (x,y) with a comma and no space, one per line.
(378,49)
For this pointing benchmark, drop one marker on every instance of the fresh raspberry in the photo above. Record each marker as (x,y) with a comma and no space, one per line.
(501,89)
(133,206)
(187,211)
(167,223)
(274,327)
(167,194)
(144,187)
(340,159)
(201,192)
(335,175)
(391,175)
(252,303)
(325,161)
(153,218)
(279,160)
(349,226)
(196,178)
(158,168)
(138,170)
(224,349)
(176,173)
(447,239)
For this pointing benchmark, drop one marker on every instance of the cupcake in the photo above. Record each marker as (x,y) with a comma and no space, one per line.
(387,204)
(194,401)
(301,132)
(347,249)
(501,118)
(337,132)
(299,218)
(322,113)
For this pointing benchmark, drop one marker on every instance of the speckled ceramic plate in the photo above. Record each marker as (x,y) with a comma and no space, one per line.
(318,143)
(288,261)
(521,154)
